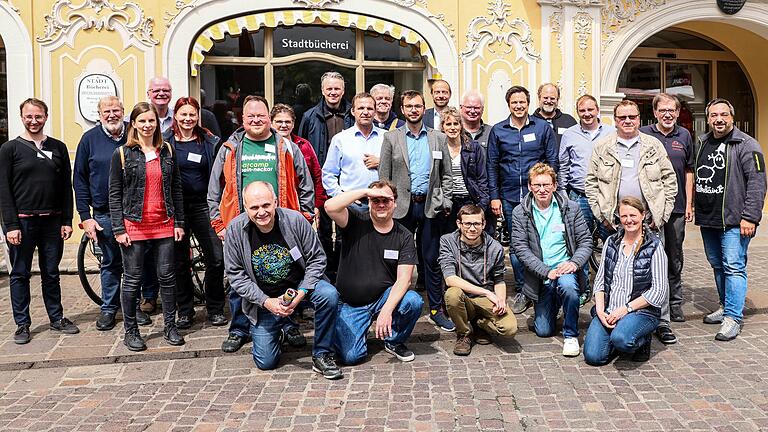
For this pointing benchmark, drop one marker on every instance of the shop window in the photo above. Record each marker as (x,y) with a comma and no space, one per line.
(401,79)
(382,47)
(298,84)
(225,87)
(301,39)
(679,40)
(245,45)
(733,85)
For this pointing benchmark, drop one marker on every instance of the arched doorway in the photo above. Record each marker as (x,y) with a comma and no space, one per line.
(693,68)
(16,67)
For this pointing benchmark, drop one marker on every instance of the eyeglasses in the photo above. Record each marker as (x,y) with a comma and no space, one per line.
(628,117)
(381,200)
(541,186)
(472,108)
(160,90)
(666,111)
(468,225)
(250,118)
(412,107)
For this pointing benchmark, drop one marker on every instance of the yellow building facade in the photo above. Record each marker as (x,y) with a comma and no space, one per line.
(69,52)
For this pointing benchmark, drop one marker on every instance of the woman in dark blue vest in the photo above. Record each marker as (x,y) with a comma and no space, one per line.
(630,287)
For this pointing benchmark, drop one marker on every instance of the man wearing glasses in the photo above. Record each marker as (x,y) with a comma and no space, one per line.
(159,94)
(375,270)
(472,107)
(551,239)
(679,146)
(473,267)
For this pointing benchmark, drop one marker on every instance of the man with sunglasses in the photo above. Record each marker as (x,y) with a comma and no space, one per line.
(550,237)
(375,270)
(473,267)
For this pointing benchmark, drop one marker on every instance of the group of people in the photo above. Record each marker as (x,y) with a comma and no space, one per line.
(388,195)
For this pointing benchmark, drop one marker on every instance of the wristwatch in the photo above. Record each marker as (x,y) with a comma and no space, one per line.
(630,309)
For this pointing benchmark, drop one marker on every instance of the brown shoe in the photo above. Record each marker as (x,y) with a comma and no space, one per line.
(482,337)
(148,305)
(463,345)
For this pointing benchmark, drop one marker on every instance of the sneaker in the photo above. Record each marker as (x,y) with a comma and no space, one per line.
(22,335)
(105,322)
(665,335)
(729,329)
(441,321)
(571,347)
(133,340)
(676,314)
(217,319)
(325,364)
(148,305)
(481,336)
(172,336)
(715,317)
(643,354)
(295,339)
(142,318)
(520,303)
(463,345)
(233,343)
(185,321)
(400,351)
(65,326)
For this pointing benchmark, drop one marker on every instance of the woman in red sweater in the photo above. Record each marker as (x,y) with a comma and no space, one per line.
(146,208)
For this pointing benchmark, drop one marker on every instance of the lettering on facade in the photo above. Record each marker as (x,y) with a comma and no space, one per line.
(730,7)
(315,44)
(91,88)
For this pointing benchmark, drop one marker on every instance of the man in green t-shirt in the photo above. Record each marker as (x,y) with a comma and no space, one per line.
(259,157)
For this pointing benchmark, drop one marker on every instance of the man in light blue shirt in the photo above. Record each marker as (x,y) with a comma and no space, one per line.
(353,156)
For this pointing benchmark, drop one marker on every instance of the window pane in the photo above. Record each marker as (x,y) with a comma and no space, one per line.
(224,89)
(679,40)
(732,84)
(379,47)
(690,83)
(640,81)
(338,41)
(245,45)
(401,79)
(298,84)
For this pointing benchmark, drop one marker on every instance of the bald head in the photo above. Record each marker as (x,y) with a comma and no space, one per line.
(260,202)
(159,93)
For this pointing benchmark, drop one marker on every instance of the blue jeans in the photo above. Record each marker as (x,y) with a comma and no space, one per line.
(266,332)
(430,230)
(239,325)
(353,323)
(517,267)
(586,211)
(111,265)
(565,293)
(727,254)
(43,233)
(630,333)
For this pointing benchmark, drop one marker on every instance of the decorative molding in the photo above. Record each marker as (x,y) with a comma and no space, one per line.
(582,27)
(64,15)
(448,26)
(11,6)
(317,4)
(556,27)
(501,29)
(410,3)
(618,13)
(168,17)
(582,89)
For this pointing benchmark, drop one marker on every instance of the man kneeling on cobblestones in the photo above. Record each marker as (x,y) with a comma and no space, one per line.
(268,251)
(473,267)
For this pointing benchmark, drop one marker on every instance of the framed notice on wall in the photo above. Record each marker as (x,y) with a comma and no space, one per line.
(90,89)
(730,7)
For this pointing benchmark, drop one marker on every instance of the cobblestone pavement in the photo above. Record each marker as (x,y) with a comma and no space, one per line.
(89,382)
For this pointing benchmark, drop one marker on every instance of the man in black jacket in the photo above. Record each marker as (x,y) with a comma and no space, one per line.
(549,98)
(36,204)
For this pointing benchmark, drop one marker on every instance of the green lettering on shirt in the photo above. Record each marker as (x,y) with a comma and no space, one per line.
(259,161)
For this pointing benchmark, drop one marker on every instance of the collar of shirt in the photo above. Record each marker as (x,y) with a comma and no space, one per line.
(628,143)
(675,130)
(109,134)
(422,131)
(589,132)
(528,120)
(358,132)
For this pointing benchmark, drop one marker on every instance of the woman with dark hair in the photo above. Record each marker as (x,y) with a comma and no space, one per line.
(470,178)
(630,287)
(194,147)
(145,205)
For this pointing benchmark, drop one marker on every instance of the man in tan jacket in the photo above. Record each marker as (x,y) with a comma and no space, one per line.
(631,163)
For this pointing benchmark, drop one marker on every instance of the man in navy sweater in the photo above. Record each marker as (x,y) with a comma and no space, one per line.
(91,182)
(36,205)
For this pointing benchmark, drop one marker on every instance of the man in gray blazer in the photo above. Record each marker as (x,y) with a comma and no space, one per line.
(416,159)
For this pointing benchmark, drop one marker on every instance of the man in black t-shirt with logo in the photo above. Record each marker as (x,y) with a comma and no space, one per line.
(375,270)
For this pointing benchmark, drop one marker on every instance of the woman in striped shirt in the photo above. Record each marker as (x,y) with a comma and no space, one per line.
(630,288)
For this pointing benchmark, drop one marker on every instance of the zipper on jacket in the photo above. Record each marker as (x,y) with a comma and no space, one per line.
(725,184)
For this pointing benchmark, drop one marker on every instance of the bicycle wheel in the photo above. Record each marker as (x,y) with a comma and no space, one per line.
(198,269)
(88,268)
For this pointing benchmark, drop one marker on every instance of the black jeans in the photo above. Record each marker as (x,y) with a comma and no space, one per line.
(43,233)
(674,235)
(133,263)
(325,233)
(196,222)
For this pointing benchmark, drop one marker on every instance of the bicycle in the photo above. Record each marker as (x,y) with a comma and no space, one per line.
(89,264)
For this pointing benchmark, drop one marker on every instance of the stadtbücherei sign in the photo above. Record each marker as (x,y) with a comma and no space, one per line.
(91,88)
(730,7)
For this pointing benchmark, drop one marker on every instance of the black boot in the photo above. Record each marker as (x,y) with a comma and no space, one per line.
(643,354)
(133,340)
(172,336)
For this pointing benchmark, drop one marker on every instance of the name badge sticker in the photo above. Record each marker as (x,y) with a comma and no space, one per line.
(529,137)
(558,227)
(48,153)
(391,254)
(194,157)
(561,130)
(150,156)
(436,154)
(628,163)
(269,148)
(40,156)
(295,253)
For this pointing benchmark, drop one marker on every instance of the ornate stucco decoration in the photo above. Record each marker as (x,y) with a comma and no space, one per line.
(618,13)
(99,15)
(181,6)
(582,26)
(501,29)
(556,27)
(317,4)
(10,5)
(582,89)
(410,3)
